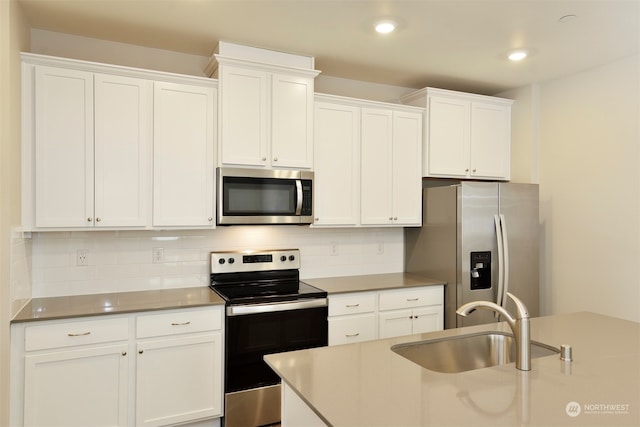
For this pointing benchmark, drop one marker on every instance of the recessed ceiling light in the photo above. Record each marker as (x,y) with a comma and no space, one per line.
(517,55)
(385,27)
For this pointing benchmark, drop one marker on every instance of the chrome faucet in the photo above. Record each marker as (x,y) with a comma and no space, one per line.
(519,325)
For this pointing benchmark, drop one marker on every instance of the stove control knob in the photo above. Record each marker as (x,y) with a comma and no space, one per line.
(221,261)
(283,258)
(231,260)
(291,257)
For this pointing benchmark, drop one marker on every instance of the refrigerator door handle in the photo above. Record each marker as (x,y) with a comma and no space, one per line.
(505,257)
(499,240)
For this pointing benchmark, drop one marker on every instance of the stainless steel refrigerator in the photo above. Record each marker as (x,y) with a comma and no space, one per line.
(482,238)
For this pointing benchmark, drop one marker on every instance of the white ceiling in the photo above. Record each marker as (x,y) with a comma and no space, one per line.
(442,43)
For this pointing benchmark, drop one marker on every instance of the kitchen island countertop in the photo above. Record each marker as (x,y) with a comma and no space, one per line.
(367,384)
(372,282)
(65,307)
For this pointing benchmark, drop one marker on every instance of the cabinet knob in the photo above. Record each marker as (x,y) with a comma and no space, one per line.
(98,219)
(474,171)
(275,159)
(395,218)
(264,159)
(124,353)
(466,170)
(316,219)
(390,218)
(140,351)
(210,219)
(89,219)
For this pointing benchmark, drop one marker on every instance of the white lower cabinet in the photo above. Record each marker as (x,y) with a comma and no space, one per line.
(156,369)
(85,386)
(363,316)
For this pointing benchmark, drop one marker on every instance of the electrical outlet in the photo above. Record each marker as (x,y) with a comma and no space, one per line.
(333,248)
(158,255)
(380,248)
(82,257)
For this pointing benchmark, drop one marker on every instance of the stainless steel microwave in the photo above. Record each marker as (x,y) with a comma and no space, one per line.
(257,196)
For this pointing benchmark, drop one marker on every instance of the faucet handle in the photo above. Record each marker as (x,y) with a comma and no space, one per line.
(522,310)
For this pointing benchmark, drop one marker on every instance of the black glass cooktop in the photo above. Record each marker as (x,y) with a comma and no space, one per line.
(266,287)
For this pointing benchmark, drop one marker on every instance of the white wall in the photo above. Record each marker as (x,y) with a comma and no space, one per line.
(14,37)
(585,128)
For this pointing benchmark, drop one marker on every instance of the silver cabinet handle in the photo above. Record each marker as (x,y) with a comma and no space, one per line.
(181,324)
(124,353)
(466,170)
(352,305)
(275,159)
(210,219)
(98,219)
(474,171)
(81,334)
(140,351)
(413,299)
(89,219)
(264,159)
(352,335)
(395,218)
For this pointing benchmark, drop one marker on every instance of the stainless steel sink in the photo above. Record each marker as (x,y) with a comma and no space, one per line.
(467,352)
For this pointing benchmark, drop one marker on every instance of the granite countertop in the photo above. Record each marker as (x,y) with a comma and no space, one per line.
(372,282)
(367,384)
(116,303)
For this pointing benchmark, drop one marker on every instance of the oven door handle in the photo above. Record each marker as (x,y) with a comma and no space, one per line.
(239,310)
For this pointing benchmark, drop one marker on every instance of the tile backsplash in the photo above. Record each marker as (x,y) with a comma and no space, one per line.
(121,261)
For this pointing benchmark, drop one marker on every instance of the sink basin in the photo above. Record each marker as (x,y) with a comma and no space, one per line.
(467,352)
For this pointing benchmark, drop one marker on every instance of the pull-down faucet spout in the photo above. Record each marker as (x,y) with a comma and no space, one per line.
(519,325)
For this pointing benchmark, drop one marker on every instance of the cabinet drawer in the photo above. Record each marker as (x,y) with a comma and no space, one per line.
(413,297)
(354,303)
(178,322)
(350,329)
(81,332)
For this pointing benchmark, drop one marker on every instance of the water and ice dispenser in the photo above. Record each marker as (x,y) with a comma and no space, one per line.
(480,270)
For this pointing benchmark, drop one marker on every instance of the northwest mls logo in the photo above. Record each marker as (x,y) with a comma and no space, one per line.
(573,409)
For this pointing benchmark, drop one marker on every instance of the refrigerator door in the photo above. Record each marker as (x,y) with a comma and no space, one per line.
(519,210)
(477,256)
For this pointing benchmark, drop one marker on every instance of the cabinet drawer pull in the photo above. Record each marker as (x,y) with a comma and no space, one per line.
(352,335)
(124,353)
(82,334)
(413,299)
(352,305)
(140,351)
(181,324)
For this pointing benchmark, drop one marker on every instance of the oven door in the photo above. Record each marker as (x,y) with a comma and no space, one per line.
(249,337)
(252,389)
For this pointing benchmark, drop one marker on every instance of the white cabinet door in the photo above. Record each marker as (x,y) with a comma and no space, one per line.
(395,323)
(179,379)
(63,147)
(122,144)
(447,152)
(376,167)
(336,164)
(292,121)
(427,319)
(183,155)
(490,140)
(244,116)
(407,168)
(81,387)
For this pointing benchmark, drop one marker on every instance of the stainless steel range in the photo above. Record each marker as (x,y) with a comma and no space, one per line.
(268,310)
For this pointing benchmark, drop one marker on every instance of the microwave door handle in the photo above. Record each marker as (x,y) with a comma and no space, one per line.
(298,197)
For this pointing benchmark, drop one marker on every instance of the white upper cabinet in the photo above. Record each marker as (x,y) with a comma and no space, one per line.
(183,155)
(467,136)
(391,181)
(266,107)
(367,167)
(91,148)
(336,164)
(115,147)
